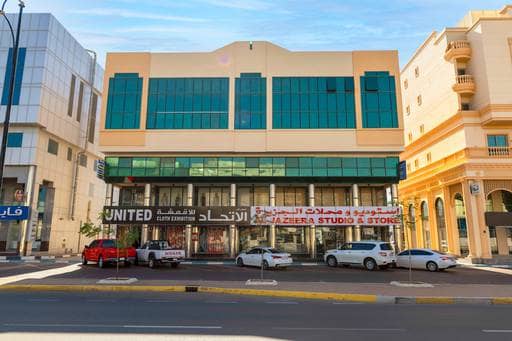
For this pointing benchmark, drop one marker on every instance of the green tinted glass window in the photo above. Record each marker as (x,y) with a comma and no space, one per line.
(123,101)
(250,101)
(313,103)
(188,103)
(378,100)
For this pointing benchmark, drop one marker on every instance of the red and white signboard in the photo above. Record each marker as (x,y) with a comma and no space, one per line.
(326,216)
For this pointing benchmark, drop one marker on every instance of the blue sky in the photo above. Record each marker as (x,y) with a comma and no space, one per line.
(204,25)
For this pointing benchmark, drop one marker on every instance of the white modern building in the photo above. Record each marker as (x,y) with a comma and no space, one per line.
(52,146)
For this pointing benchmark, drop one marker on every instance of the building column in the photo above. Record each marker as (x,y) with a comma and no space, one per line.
(396,229)
(312,228)
(188,228)
(147,200)
(477,236)
(272,229)
(108,202)
(232,228)
(25,246)
(355,203)
(348,233)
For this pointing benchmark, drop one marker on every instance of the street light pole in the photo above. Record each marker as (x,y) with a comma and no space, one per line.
(11,89)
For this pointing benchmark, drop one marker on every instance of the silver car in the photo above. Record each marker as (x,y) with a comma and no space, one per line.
(425,259)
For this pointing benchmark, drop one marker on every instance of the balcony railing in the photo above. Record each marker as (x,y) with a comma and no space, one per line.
(458,50)
(464,85)
(499,151)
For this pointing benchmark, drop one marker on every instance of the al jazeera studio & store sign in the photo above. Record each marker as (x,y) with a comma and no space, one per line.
(254,215)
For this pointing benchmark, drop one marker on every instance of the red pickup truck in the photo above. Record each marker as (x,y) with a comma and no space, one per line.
(104,251)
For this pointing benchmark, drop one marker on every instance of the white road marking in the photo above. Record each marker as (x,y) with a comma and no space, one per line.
(343,329)
(128,326)
(281,302)
(490,269)
(160,301)
(221,302)
(44,300)
(497,330)
(39,274)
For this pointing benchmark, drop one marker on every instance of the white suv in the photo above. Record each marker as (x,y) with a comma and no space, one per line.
(368,253)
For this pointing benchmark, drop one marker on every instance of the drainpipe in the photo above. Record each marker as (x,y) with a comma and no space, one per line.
(83,151)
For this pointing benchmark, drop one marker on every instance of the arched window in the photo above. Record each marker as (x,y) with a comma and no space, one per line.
(425,225)
(412,224)
(460,215)
(499,201)
(441,225)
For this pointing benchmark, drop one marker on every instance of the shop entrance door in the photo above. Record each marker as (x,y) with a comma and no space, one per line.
(213,241)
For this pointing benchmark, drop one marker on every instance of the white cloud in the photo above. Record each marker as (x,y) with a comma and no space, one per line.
(250,5)
(134,14)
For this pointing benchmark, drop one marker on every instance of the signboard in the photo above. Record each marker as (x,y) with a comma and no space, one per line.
(498,219)
(176,215)
(14,213)
(326,216)
(474,188)
(402,170)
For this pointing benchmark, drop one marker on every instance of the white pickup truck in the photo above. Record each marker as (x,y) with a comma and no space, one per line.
(156,252)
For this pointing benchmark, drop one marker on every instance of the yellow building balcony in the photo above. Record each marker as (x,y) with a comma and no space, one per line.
(464,85)
(490,152)
(458,50)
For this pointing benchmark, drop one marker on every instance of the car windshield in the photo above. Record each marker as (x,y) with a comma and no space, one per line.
(109,243)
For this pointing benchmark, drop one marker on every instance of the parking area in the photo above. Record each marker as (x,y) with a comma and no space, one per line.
(312,273)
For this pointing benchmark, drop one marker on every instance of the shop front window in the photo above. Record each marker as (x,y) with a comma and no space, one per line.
(213,240)
(250,237)
(291,196)
(460,215)
(332,196)
(328,238)
(375,233)
(425,224)
(253,195)
(175,235)
(372,196)
(132,196)
(493,240)
(172,196)
(292,239)
(212,196)
(441,225)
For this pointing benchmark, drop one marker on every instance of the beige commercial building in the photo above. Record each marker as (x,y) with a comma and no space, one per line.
(249,124)
(457,102)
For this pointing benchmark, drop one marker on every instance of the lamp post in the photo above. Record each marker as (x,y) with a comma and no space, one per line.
(15,42)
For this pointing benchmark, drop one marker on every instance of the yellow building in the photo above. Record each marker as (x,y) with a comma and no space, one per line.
(457,99)
(252,124)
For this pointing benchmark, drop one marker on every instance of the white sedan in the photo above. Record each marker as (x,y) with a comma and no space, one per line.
(425,259)
(272,258)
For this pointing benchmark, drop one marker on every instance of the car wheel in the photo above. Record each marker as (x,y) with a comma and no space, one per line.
(240,262)
(332,262)
(84,260)
(174,265)
(370,264)
(265,265)
(151,262)
(101,264)
(432,266)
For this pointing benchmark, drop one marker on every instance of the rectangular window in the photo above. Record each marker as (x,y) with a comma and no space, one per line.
(406,84)
(251,102)
(313,103)
(422,129)
(416,163)
(80,101)
(71,98)
(53,147)
(378,98)
(408,110)
(410,137)
(417,71)
(20,66)
(188,103)
(419,100)
(14,140)
(92,119)
(123,101)
(70,154)
(497,140)
(429,157)
(82,160)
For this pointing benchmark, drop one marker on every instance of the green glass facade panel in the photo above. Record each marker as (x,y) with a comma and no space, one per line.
(313,103)
(252,166)
(250,101)
(188,103)
(378,100)
(123,101)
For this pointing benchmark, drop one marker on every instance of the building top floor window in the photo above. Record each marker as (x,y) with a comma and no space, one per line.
(378,97)
(123,101)
(14,140)
(497,140)
(188,103)
(250,101)
(417,71)
(53,147)
(313,103)
(406,84)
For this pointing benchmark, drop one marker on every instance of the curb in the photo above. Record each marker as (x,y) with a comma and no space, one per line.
(340,297)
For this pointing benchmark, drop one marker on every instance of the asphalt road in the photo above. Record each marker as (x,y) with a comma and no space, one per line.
(11,269)
(318,273)
(205,315)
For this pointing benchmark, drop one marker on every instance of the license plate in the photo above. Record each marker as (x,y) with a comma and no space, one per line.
(122,258)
